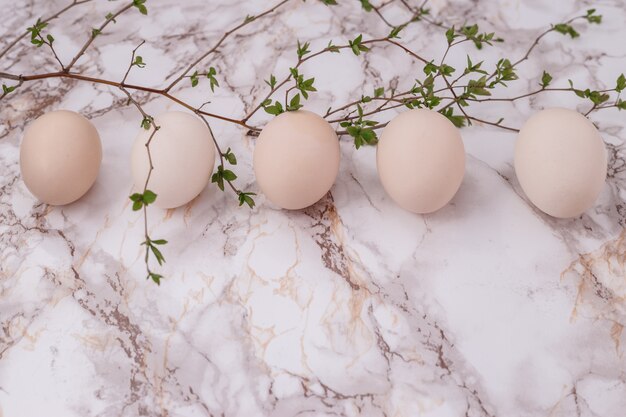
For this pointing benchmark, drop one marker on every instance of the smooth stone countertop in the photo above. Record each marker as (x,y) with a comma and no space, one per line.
(350,307)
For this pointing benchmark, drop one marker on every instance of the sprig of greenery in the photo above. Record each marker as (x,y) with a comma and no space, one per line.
(361,129)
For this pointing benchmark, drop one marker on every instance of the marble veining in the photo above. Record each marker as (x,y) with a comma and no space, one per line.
(351,307)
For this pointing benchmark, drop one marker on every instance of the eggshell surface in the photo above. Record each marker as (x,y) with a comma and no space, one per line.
(183,155)
(296,159)
(420,160)
(60,157)
(560,162)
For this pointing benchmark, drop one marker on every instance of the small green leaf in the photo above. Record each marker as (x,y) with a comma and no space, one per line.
(366,5)
(194,79)
(230,157)
(155,277)
(545,79)
(357,46)
(379,92)
(395,32)
(621,83)
(139,62)
(247,199)
(271,82)
(450,35)
(8,89)
(146,122)
(139,4)
(148,197)
(294,103)
(95,32)
(566,29)
(303,49)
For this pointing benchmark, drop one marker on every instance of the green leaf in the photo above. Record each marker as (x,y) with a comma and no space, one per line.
(8,89)
(138,62)
(621,104)
(271,82)
(545,79)
(95,32)
(446,70)
(211,73)
(450,35)
(194,79)
(303,49)
(592,17)
(229,175)
(109,16)
(50,39)
(329,2)
(159,241)
(395,32)
(155,277)
(294,103)
(566,29)
(379,92)
(357,46)
(458,121)
(157,253)
(332,48)
(139,4)
(275,109)
(621,83)
(246,198)
(148,197)
(230,157)
(146,122)
(430,68)
(366,5)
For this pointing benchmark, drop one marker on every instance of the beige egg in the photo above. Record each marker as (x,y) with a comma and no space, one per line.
(296,159)
(60,157)
(421,160)
(183,155)
(560,162)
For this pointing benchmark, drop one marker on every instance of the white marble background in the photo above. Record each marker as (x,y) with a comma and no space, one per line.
(352,307)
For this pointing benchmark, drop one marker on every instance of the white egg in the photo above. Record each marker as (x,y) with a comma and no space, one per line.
(60,157)
(296,159)
(183,155)
(421,160)
(560,162)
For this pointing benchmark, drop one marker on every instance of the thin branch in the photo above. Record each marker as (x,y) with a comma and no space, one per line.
(92,36)
(17,39)
(246,21)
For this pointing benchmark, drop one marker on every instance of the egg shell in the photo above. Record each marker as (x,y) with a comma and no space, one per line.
(560,162)
(183,155)
(296,159)
(421,160)
(60,157)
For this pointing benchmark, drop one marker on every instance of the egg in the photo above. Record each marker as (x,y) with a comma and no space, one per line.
(296,159)
(60,157)
(560,162)
(420,160)
(183,155)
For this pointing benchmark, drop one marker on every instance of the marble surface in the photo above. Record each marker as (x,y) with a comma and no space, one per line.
(351,307)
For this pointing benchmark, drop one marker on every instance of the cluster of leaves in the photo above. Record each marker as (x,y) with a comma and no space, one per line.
(141,6)
(143,200)
(302,84)
(210,74)
(36,35)
(226,175)
(361,129)
(222,174)
(471,33)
